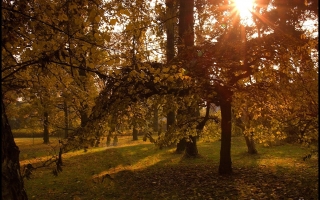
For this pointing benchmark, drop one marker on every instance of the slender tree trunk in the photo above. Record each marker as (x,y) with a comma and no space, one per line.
(66,119)
(112,130)
(84,116)
(12,182)
(108,139)
(84,106)
(250,144)
(135,133)
(155,119)
(115,140)
(191,147)
(244,123)
(225,166)
(46,128)
(171,116)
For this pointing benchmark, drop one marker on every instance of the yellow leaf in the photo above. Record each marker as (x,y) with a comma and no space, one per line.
(92,15)
(129,27)
(156,79)
(91,65)
(63,17)
(107,38)
(142,75)
(97,19)
(116,71)
(165,70)
(113,21)
(124,12)
(110,62)
(96,35)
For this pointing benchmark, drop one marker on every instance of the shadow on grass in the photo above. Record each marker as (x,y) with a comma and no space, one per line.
(145,172)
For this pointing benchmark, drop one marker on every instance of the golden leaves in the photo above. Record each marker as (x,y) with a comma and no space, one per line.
(97,19)
(113,21)
(123,12)
(63,17)
(96,36)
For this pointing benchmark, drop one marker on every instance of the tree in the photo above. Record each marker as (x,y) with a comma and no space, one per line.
(213,71)
(170,52)
(251,65)
(12,182)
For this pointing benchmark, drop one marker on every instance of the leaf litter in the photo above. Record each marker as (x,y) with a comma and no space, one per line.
(203,182)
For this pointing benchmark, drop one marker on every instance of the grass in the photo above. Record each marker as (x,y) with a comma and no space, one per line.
(139,170)
(27,133)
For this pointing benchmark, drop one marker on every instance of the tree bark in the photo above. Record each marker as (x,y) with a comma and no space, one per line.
(115,140)
(186,32)
(155,119)
(84,116)
(181,146)
(46,128)
(171,116)
(191,147)
(135,133)
(240,122)
(108,139)
(225,166)
(112,130)
(250,144)
(170,11)
(186,38)
(12,182)
(66,119)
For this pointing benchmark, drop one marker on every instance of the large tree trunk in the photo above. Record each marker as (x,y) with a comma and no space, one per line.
(12,182)
(225,166)
(170,12)
(46,128)
(186,38)
(181,146)
(186,32)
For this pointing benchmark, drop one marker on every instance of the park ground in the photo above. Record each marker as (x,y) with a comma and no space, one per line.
(139,170)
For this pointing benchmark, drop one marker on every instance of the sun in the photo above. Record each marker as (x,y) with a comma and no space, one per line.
(244,8)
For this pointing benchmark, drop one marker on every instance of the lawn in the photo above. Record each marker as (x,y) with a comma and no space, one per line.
(139,170)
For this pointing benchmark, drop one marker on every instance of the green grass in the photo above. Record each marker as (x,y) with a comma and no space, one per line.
(27,133)
(142,171)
